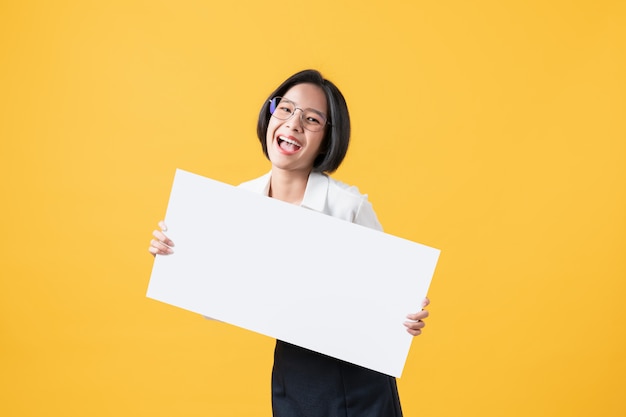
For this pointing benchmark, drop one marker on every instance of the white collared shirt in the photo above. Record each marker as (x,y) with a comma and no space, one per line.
(329,196)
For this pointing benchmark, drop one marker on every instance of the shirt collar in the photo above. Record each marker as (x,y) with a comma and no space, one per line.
(314,194)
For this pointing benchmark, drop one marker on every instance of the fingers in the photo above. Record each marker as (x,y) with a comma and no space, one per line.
(418,316)
(415,322)
(160,236)
(159,248)
(414,327)
(161,244)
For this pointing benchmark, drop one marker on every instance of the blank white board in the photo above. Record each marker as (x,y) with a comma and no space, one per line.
(290,273)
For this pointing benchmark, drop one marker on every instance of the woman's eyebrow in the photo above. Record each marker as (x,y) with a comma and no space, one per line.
(321,113)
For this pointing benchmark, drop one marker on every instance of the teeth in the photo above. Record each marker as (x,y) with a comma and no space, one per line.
(293,142)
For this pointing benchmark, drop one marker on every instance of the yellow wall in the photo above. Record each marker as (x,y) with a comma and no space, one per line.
(492,130)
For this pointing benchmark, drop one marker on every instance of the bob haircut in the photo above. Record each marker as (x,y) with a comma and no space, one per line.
(337,136)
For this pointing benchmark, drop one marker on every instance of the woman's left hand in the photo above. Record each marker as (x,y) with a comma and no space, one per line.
(415,322)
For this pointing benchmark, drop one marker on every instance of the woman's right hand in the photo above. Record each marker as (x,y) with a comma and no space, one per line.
(161,244)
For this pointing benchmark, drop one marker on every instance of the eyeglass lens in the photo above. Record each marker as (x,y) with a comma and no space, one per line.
(283,109)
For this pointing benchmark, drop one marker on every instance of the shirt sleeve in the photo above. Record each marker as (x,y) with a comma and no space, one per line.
(365,216)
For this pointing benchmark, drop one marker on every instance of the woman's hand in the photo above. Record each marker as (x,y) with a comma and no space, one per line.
(161,244)
(415,322)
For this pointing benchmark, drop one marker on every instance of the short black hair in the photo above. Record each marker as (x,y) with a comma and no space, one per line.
(337,137)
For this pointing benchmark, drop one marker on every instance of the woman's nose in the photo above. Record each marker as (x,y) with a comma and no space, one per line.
(295,121)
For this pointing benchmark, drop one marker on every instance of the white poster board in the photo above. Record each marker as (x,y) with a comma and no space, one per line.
(290,273)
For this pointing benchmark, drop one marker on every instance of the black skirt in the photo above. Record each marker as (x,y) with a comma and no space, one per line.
(309,384)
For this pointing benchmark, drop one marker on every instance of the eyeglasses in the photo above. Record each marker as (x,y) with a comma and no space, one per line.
(283,109)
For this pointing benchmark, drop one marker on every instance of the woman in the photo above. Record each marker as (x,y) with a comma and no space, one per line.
(304,130)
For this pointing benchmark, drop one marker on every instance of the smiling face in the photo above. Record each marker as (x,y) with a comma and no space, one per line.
(290,146)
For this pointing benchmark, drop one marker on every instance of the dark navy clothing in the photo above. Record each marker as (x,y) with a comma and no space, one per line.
(309,384)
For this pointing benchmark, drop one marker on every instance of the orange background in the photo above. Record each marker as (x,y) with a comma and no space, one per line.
(494,131)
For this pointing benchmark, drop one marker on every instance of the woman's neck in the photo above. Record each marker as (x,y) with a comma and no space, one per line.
(288,186)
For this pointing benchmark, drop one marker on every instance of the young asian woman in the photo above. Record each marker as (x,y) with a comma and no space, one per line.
(304,131)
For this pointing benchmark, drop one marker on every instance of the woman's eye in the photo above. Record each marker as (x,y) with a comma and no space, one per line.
(285,109)
(313,120)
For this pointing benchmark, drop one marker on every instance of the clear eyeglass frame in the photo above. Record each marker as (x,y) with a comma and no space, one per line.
(284,109)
